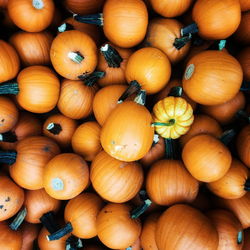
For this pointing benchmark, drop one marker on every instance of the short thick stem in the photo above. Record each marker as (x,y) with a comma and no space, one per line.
(91,79)
(8,137)
(228,136)
(190,29)
(8,157)
(239,237)
(111,56)
(134,87)
(137,212)
(247,185)
(176,91)
(182,41)
(48,221)
(38,4)
(9,88)
(73,243)
(61,232)
(65,27)
(141,97)
(76,57)
(54,128)
(96,19)
(18,219)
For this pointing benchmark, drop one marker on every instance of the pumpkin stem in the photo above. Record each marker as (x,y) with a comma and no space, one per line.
(143,195)
(48,221)
(8,137)
(245,86)
(240,237)
(155,140)
(65,27)
(228,136)
(90,79)
(72,243)
(176,91)
(15,224)
(222,44)
(137,212)
(76,57)
(54,128)
(8,157)
(182,41)
(129,248)
(9,88)
(38,4)
(96,19)
(141,97)
(171,151)
(111,56)
(60,233)
(171,122)
(247,185)
(190,29)
(243,115)
(133,87)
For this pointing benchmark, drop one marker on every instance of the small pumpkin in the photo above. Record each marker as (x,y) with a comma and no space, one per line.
(242,34)
(244,59)
(86,140)
(29,233)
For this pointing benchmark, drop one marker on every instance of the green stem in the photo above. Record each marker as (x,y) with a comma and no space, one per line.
(54,128)
(228,136)
(96,19)
(247,185)
(222,44)
(9,88)
(240,237)
(15,224)
(38,4)
(8,157)
(133,87)
(176,91)
(8,137)
(141,97)
(243,115)
(61,232)
(137,212)
(48,221)
(73,243)
(91,79)
(143,195)
(65,27)
(171,151)
(76,57)
(182,41)
(190,29)
(171,122)
(111,56)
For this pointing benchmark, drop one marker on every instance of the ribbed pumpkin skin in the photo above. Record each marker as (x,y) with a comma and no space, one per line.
(212,77)
(30,233)
(81,212)
(38,89)
(9,61)
(153,74)
(244,59)
(115,227)
(183,227)
(127,134)
(33,48)
(73,41)
(168,183)
(216,19)
(231,185)
(206,158)
(38,203)
(11,198)
(28,169)
(228,227)
(162,33)
(114,180)
(131,12)
(243,145)
(242,34)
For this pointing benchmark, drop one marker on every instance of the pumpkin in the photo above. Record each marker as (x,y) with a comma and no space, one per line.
(115,227)
(11,198)
(245,5)
(8,114)
(38,203)
(242,34)
(31,16)
(170,8)
(172,117)
(60,128)
(216,20)
(32,48)
(225,113)
(203,124)
(76,99)
(206,158)
(9,61)
(86,140)
(181,226)
(148,232)
(115,180)
(127,134)
(30,233)
(65,176)
(234,184)
(73,53)
(243,145)
(32,155)
(3,3)
(113,61)
(81,213)
(164,34)
(206,83)
(168,182)
(244,59)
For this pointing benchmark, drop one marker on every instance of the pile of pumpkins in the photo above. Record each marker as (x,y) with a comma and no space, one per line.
(124,124)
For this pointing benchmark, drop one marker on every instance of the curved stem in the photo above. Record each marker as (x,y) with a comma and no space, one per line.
(73,243)
(247,185)
(133,87)
(171,122)
(9,88)
(96,19)
(15,224)
(91,79)
(8,137)
(8,157)
(48,221)
(141,97)
(65,27)
(54,128)
(176,91)
(228,136)
(38,4)
(182,41)
(190,29)
(137,212)
(76,57)
(61,232)
(111,56)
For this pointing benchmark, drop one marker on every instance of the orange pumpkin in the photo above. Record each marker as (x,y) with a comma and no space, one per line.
(225,113)
(165,35)
(244,59)
(3,3)
(204,82)
(216,19)
(245,5)
(206,158)
(243,145)
(9,61)
(60,128)
(114,180)
(11,198)
(29,233)
(242,34)
(73,53)
(32,48)
(31,16)
(86,140)
(65,176)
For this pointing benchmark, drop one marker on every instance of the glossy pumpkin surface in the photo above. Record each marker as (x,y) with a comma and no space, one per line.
(243,145)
